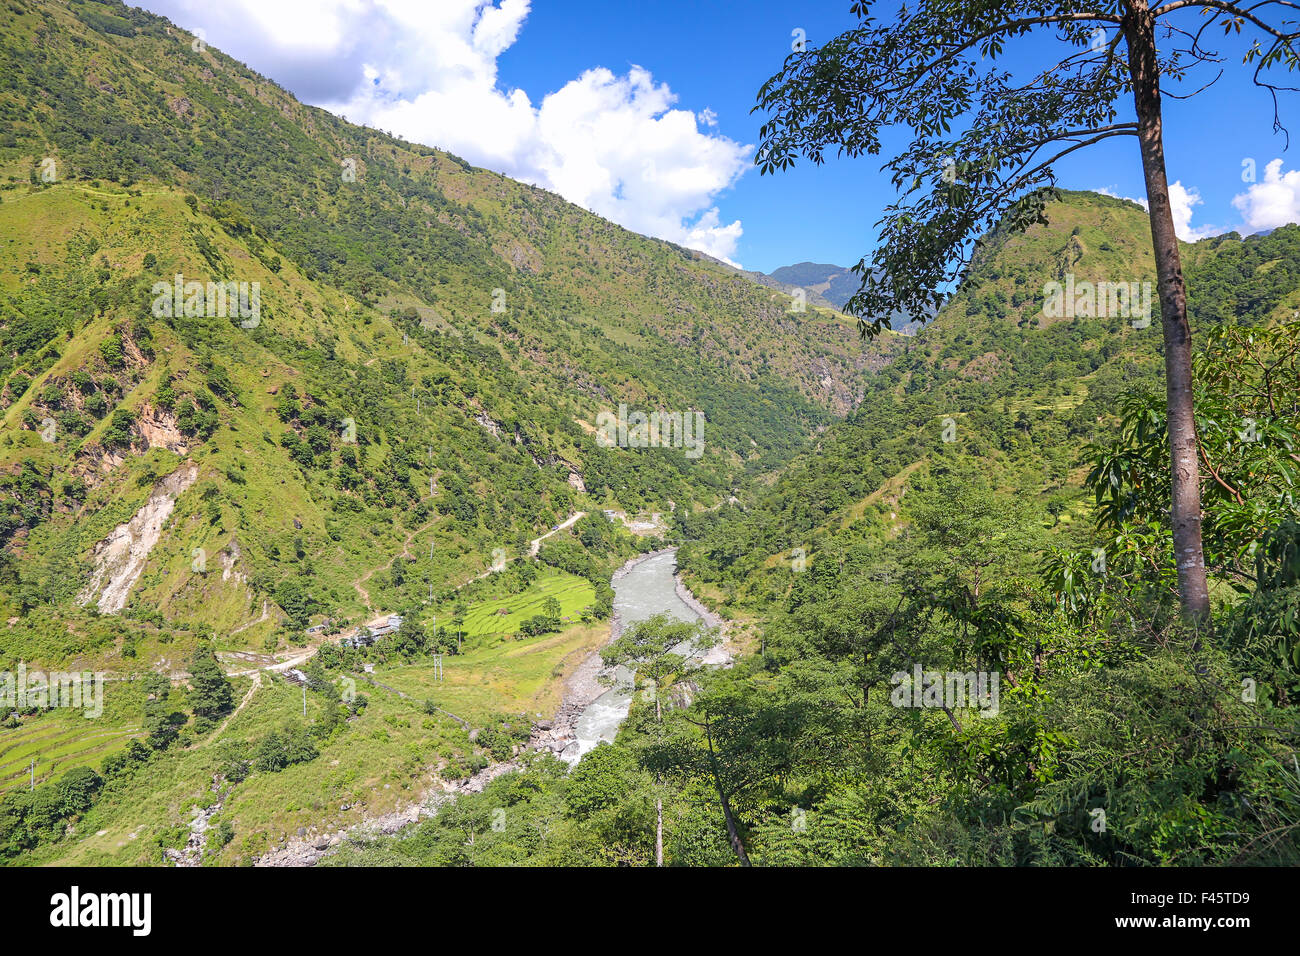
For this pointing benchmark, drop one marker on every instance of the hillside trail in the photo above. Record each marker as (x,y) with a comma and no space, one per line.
(535,545)
(257,682)
(304,654)
(257,620)
(359,583)
(297,657)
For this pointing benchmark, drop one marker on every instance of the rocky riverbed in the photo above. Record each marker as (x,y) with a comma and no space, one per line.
(558,735)
(584,686)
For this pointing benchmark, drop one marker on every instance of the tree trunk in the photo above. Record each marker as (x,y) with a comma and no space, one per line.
(733,832)
(659,799)
(866,694)
(1185,496)
(659,828)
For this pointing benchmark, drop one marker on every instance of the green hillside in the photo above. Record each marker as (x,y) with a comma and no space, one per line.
(218,497)
(1025,394)
(380,264)
(996,508)
(412,399)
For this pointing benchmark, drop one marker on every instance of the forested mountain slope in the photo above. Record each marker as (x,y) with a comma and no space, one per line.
(996,382)
(411,401)
(468,329)
(962,643)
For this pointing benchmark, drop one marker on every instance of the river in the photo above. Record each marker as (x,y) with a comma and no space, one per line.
(642,589)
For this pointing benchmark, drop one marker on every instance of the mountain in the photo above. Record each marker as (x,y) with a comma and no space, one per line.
(468,330)
(915,542)
(832,286)
(835,284)
(1024,392)
(270,379)
(267,375)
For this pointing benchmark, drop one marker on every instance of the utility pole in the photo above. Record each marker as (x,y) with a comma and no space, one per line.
(33,772)
(304,700)
(437,661)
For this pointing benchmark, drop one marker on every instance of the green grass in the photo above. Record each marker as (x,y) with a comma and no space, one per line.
(572,592)
(379,759)
(500,675)
(61,739)
(385,757)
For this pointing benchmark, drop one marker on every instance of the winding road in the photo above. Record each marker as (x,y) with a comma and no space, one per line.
(536,544)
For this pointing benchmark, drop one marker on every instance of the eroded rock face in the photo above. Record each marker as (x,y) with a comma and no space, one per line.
(120,558)
(158,430)
(228,558)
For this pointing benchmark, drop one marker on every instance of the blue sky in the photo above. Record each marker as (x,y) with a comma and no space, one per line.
(641,112)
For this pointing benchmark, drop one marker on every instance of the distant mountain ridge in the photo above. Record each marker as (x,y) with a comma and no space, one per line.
(831,286)
(835,284)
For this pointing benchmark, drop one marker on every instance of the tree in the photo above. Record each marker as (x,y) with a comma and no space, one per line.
(78,788)
(1247,387)
(410,639)
(210,693)
(651,647)
(921,72)
(294,600)
(458,621)
(162,723)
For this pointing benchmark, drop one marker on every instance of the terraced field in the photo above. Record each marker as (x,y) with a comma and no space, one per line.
(58,742)
(505,615)
(525,676)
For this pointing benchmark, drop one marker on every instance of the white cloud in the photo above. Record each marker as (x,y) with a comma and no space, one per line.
(1106,191)
(1181,201)
(427,71)
(1272,203)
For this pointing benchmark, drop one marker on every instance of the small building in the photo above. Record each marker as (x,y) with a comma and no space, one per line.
(388,627)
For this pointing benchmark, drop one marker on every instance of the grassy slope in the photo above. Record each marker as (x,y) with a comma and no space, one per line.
(595,315)
(1024,394)
(138,123)
(384,758)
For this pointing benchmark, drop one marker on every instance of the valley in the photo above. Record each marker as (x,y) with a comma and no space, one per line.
(415,515)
